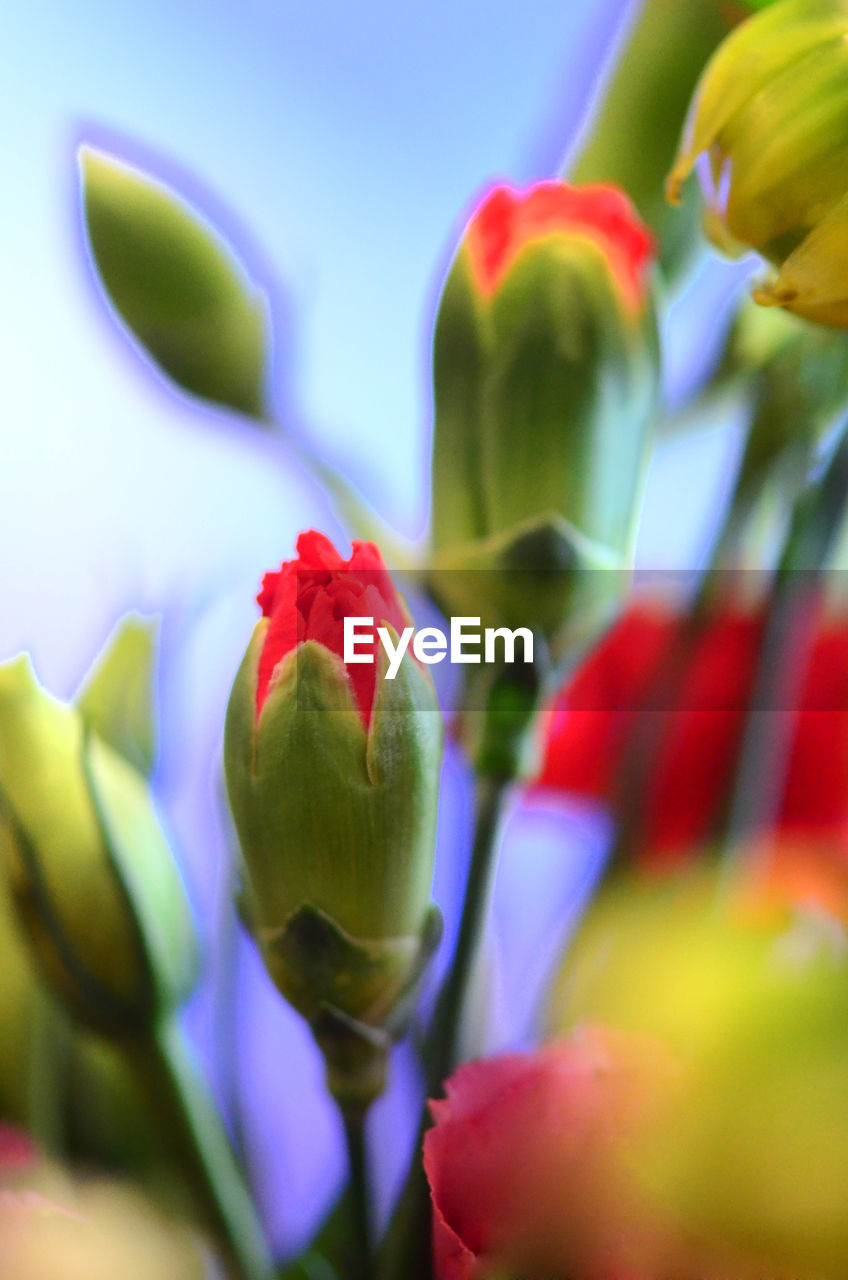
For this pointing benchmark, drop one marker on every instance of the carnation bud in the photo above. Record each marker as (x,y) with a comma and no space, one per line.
(332,773)
(770,123)
(545,369)
(91,874)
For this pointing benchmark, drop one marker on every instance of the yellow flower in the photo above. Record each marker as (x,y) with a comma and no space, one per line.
(769,129)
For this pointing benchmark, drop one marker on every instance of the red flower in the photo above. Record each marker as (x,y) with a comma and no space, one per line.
(530,1164)
(309,598)
(687,698)
(507,220)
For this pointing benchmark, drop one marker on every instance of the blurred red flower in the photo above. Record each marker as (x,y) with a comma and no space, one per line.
(309,597)
(654,691)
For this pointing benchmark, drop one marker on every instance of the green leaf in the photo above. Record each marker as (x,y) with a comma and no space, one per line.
(176,285)
(116,699)
(146,871)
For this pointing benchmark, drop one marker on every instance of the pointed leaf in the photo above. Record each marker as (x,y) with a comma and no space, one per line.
(176,285)
(116,699)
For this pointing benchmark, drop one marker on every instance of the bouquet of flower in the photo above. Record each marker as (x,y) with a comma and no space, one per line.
(670,1101)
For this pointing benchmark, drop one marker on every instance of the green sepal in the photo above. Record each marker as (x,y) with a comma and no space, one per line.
(357,995)
(317,964)
(356,1056)
(22,1014)
(543,574)
(460,506)
(336,825)
(148,873)
(82,851)
(97,1003)
(176,285)
(117,698)
(406,1004)
(58,867)
(569,403)
(326,813)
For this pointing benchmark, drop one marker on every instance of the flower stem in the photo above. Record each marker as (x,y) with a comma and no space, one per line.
(406,1254)
(357,1153)
(443,1051)
(192,1127)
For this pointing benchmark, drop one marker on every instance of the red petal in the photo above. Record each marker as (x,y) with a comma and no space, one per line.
(509,219)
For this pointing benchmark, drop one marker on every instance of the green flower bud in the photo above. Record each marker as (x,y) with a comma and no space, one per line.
(545,377)
(176,285)
(332,773)
(770,116)
(91,874)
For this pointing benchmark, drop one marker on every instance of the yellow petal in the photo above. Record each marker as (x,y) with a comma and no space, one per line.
(815,275)
(746,61)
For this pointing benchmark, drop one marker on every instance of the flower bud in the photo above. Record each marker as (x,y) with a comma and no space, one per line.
(332,773)
(770,119)
(90,871)
(544,379)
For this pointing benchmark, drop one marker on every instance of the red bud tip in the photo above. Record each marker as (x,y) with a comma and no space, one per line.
(509,219)
(309,597)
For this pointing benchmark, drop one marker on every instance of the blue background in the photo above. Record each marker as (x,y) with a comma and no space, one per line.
(339,144)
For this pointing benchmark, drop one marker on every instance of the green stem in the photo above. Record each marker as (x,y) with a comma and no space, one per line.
(47,1080)
(406,1254)
(789,630)
(443,1049)
(192,1128)
(357,1152)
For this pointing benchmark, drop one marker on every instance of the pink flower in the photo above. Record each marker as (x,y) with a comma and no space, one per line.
(528,1163)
